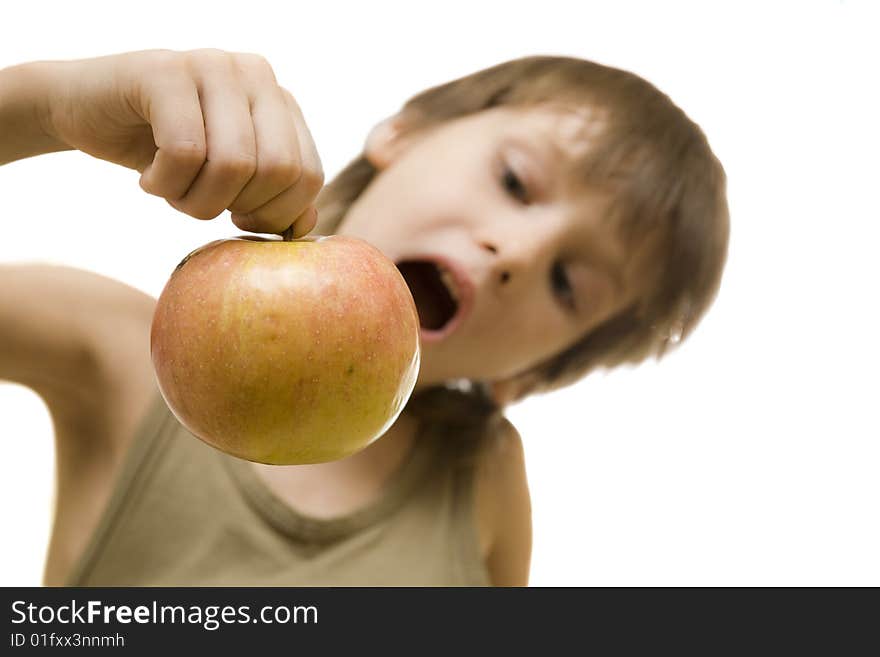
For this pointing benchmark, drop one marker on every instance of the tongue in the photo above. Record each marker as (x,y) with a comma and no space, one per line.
(433,302)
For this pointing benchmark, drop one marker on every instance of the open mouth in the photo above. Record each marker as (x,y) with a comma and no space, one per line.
(435,291)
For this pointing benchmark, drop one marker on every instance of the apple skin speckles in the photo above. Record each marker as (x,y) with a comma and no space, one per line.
(286,352)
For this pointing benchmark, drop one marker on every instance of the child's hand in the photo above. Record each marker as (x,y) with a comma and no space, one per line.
(228,136)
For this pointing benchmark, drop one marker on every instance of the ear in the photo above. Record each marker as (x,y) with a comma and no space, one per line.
(387,140)
(512,389)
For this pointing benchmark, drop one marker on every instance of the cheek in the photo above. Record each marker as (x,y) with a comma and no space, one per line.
(445,179)
(420,199)
(447,201)
(518,337)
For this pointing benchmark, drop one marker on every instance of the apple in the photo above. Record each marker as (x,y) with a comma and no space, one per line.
(286,352)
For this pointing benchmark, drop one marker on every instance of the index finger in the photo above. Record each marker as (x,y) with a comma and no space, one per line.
(307,145)
(308,151)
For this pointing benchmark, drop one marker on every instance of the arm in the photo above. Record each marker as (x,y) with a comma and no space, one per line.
(504,507)
(161,113)
(82,343)
(24,113)
(75,337)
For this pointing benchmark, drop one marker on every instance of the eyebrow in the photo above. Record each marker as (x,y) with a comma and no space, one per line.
(553,141)
(553,145)
(542,147)
(546,143)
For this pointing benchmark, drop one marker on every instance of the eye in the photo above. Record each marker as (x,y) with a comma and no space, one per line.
(562,286)
(513,185)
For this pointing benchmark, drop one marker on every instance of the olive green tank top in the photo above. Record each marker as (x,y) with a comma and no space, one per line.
(185,514)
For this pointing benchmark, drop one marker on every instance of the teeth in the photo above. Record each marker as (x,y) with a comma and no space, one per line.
(449,282)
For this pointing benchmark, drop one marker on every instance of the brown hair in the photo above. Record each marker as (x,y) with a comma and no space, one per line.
(658,168)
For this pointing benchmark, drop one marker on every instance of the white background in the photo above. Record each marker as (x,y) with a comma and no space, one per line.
(749,457)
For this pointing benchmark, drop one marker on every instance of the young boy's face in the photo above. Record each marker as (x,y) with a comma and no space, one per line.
(480,203)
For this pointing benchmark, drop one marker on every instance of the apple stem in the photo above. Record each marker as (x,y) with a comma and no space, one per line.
(287,235)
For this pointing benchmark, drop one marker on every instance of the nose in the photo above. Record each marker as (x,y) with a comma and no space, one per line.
(503,276)
(509,262)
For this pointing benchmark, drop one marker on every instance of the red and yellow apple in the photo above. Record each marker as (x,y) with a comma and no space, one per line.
(286,352)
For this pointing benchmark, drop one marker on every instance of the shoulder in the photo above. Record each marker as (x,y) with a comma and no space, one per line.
(503,505)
